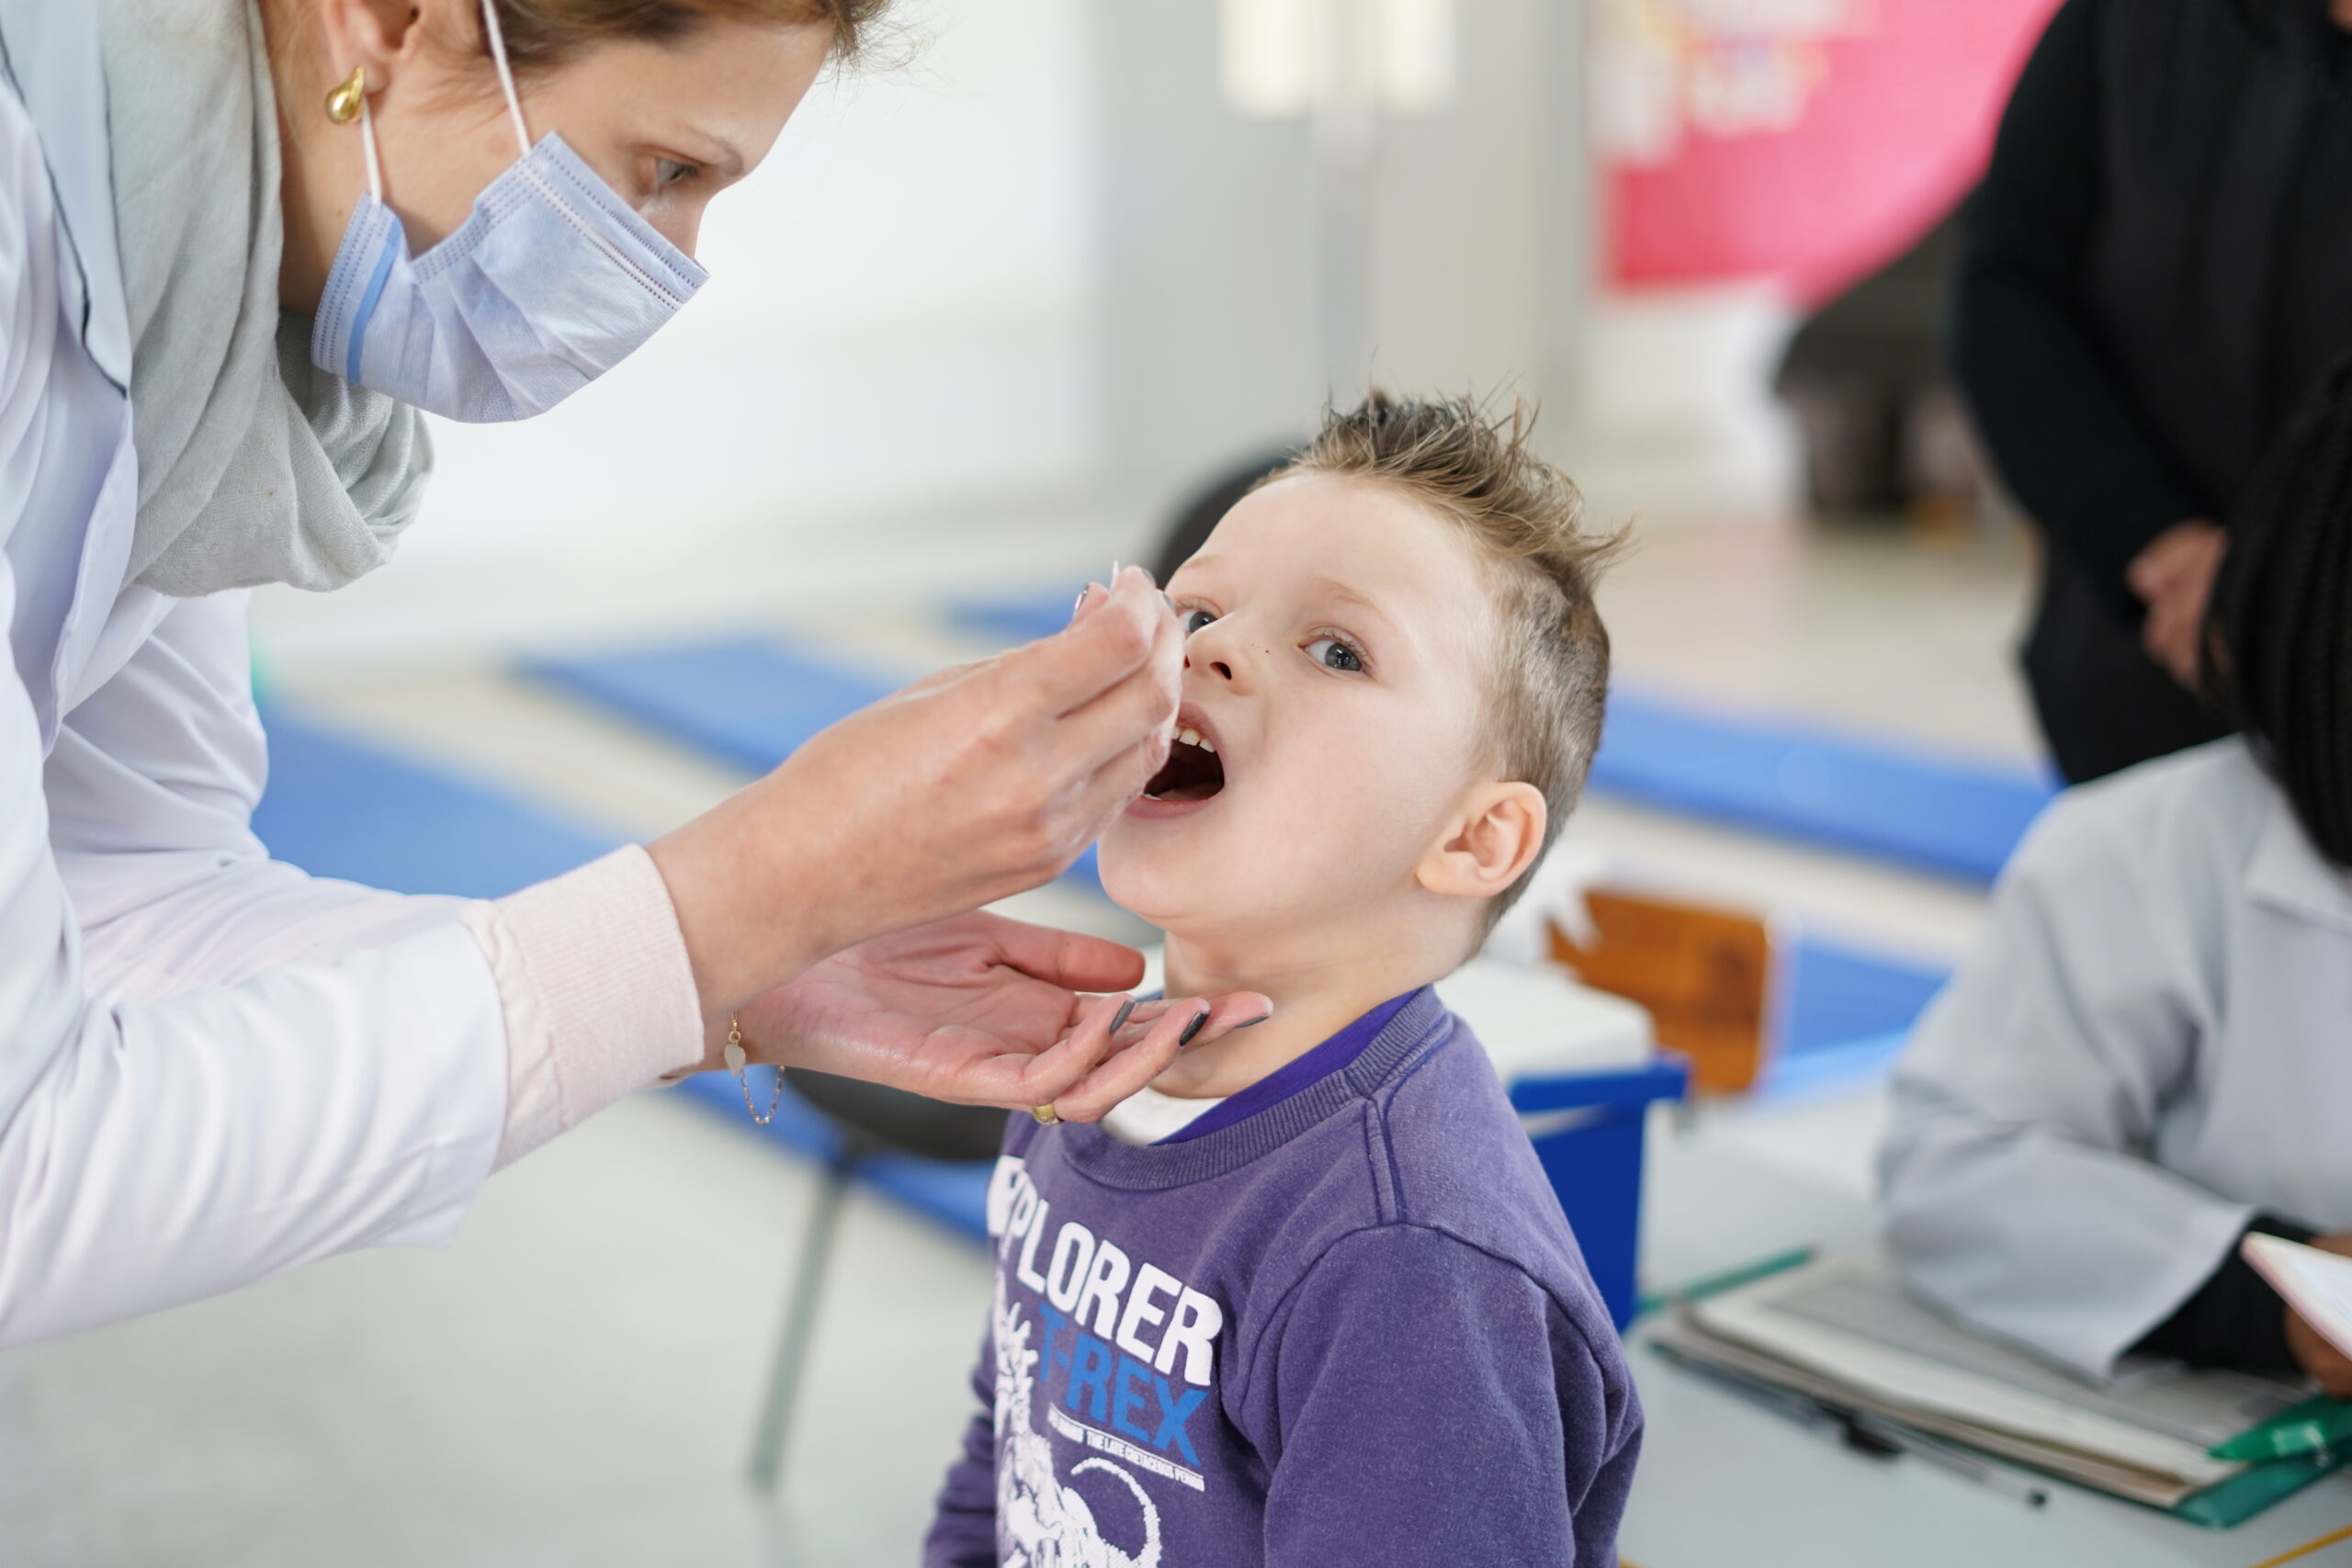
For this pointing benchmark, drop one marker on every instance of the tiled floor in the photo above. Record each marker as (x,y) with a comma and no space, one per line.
(573,1381)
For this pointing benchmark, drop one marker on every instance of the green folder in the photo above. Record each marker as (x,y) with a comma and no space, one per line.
(2255,1488)
(2318,1422)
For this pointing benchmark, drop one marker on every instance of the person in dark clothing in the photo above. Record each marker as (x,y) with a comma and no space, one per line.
(2153,276)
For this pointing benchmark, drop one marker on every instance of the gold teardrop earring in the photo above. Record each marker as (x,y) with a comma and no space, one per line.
(347,97)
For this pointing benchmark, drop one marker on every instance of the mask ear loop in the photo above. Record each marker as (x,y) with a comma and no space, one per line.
(368,146)
(505,74)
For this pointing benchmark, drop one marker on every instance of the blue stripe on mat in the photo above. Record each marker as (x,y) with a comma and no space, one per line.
(1838,995)
(1830,1067)
(1843,1016)
(1938,814)
(1015,618)
(748,702)
(339,806)
(1955,817)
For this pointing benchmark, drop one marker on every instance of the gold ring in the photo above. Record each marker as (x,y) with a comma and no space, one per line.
(1046,1114)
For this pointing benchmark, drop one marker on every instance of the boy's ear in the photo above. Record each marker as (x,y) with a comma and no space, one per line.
(1493,840)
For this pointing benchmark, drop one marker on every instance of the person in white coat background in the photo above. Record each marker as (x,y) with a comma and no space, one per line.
(243,243)
(2150,1052)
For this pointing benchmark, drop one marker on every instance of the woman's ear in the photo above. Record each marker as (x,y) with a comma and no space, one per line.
(1489,844)
(380,36)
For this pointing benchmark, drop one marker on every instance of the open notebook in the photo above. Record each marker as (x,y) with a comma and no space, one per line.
(1843,1332)
(2315,1283)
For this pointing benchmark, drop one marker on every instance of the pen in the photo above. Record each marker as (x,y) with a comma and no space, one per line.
(1958,1460)
(1871,1435)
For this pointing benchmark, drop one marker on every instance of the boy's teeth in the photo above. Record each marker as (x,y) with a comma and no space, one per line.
(1189,737)
(1204,742)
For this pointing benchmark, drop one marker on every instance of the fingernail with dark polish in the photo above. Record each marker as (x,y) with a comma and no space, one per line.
(1254,1023)
(1124,1009)
(1192,1028)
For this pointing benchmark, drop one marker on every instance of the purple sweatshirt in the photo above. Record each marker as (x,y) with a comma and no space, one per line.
(1352,1328)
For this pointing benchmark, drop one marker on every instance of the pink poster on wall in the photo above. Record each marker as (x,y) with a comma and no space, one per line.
(1805,141)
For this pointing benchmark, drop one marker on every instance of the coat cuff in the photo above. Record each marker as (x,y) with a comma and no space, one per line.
(598,996)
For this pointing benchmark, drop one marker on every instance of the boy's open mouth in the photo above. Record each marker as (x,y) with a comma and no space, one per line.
(1192,772)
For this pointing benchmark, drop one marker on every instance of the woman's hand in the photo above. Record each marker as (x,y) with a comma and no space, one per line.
(984,1010)
(2328,1365)
(980,782)
(2174,577)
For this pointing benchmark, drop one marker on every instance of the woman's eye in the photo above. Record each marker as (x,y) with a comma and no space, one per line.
(1193,620)
(668,172)
(1332,653)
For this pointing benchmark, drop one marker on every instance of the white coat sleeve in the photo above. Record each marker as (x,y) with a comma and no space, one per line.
(152,786)
(2018,1182)
(157,1150)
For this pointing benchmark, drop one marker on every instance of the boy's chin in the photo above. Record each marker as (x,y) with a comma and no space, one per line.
(1156,888)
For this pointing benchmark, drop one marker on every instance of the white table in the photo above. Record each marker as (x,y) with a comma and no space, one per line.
(1723,1484)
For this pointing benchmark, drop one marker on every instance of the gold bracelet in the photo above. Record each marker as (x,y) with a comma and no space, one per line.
(736,1058)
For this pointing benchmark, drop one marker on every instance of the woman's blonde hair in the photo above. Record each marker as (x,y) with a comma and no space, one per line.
(544,33)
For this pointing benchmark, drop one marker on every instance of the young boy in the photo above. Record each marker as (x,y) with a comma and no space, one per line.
(1308,1298)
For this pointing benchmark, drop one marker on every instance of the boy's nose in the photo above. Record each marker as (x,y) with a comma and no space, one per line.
(1223,670)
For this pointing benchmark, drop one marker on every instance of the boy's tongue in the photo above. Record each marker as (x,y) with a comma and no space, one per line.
(1191,772)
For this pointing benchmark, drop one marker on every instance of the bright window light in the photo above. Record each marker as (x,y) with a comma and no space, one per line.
(1270,52)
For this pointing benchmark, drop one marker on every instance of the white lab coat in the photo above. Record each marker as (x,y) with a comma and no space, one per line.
(2152,1041)
(212,1068)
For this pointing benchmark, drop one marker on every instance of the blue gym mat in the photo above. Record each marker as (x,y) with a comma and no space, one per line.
(343,807)
(1836,995)
(747,702)
(339,806)
(1955,817)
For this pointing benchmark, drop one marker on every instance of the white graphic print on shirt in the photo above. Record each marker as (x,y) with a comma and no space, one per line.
(1129,1350)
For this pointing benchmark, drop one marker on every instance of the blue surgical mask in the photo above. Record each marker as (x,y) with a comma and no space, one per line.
(550,282)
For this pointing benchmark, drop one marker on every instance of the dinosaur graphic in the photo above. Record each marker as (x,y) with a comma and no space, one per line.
(1041,1523)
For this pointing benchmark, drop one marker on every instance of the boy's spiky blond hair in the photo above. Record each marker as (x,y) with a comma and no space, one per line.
(1472,466)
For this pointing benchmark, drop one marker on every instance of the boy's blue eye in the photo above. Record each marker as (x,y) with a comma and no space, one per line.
(1330,652)
(1193,620)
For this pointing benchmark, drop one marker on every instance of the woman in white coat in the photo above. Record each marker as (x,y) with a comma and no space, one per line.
(2150,1053)
(242,243)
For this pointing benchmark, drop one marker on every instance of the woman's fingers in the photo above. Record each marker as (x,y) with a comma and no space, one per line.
(1140,709)
(1158,1030)
(1114,1078)
(1052,1072)
(1095,652)
(1114,785)
(1068,959)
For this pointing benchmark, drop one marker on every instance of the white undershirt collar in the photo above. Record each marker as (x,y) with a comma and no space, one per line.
(1147,1116)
